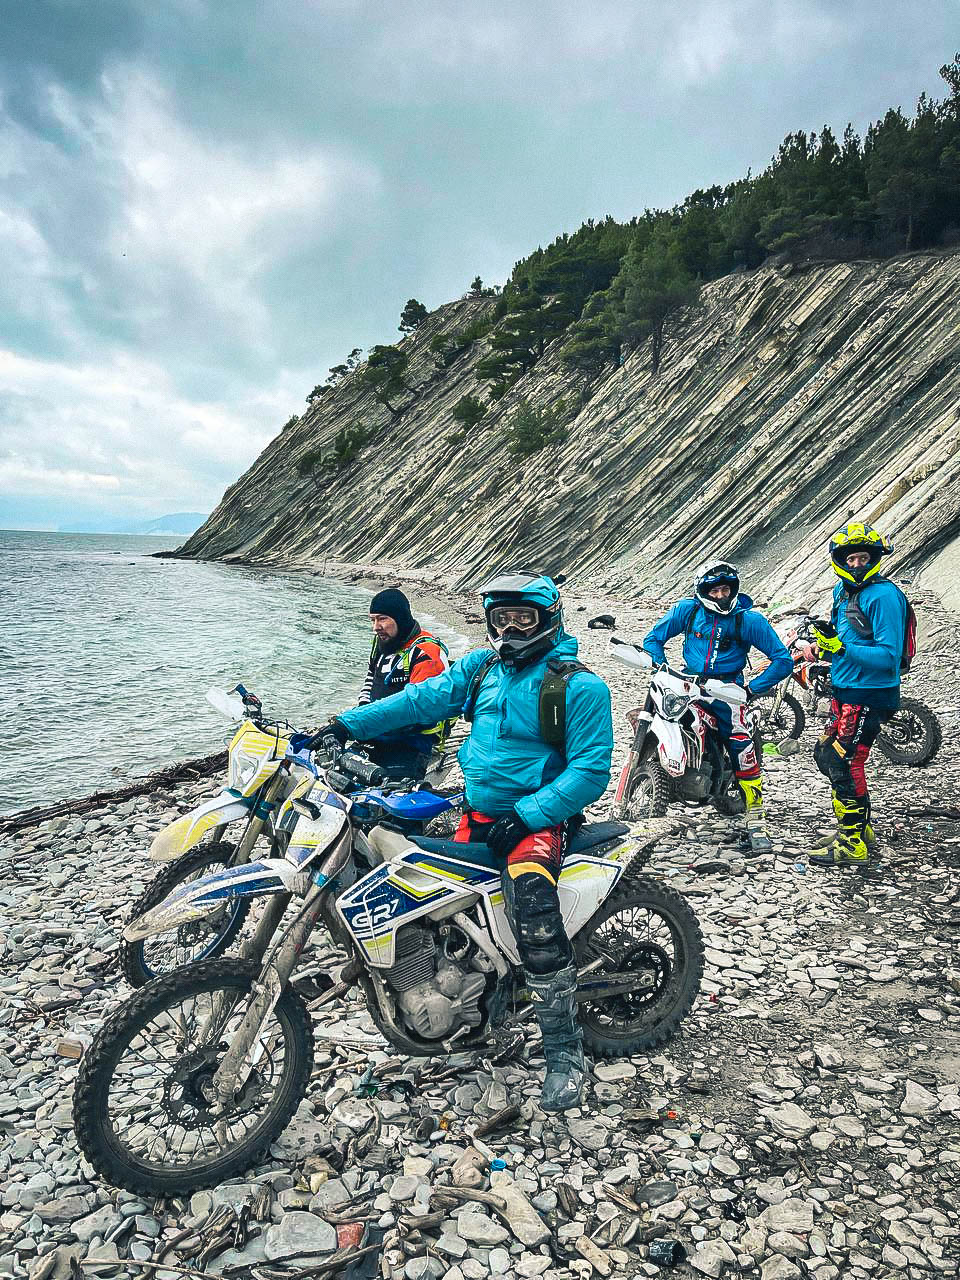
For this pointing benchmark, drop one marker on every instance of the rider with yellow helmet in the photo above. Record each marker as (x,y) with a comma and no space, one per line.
(864,641)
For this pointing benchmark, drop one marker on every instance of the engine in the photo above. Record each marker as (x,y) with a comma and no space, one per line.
(436,992)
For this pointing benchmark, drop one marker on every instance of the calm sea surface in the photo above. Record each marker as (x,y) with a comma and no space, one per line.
(106,653)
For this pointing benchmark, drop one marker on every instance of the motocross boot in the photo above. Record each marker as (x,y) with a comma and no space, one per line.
(756,821)
(848,849)
(869,835)
(554,1002)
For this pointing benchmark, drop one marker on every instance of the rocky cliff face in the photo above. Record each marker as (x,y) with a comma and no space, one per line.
(788,402)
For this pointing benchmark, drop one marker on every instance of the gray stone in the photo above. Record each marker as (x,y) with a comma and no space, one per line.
(777,1267)
(424,1268)
(477,1228)
(329,1196)
(299,1233)
(64,1210)
(917,1101)
(655,1193)
(617,1070)
(97,1223)
(789,1215)
(404,1187)
(710,1257)
(589,1134)
(791,1121)
(532,1264)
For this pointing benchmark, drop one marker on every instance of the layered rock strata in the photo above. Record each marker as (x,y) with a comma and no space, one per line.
(789,401)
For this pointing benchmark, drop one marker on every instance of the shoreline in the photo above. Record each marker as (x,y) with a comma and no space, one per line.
(432,599)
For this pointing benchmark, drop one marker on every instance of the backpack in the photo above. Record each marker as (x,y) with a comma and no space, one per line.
(553,697)
(725,643)
(864,628)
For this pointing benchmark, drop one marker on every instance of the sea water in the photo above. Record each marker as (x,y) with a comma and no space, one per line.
(106,653)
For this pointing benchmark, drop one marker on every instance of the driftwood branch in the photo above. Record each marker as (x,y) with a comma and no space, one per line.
(185,771)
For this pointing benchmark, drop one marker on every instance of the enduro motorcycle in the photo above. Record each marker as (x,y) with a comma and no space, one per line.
(911,736)
(676,753)
(189,1082)
(267,771)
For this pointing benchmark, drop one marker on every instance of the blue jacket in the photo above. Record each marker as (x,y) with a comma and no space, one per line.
(710,648)
(870,664)
(507,767)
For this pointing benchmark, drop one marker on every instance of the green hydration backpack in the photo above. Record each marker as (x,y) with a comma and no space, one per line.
(553,697)
(864,628)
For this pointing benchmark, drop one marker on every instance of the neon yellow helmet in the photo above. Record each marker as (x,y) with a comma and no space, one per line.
(858,537)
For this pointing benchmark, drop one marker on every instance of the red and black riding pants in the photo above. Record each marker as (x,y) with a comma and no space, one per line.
(841,753)
(530,895)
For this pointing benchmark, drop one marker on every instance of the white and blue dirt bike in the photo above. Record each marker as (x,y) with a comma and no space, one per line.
(189,1082)
(267,770)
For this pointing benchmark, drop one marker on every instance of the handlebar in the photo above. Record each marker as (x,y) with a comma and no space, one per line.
(360,769)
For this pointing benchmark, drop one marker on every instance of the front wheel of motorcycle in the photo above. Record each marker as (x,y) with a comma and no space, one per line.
(650,930)
(648,792)
(141,962)
(143,1106)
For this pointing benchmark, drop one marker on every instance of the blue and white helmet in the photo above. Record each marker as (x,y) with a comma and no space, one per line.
(717,573)
(524,616)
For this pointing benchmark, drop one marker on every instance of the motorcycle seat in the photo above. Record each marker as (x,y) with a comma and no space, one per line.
(590,836)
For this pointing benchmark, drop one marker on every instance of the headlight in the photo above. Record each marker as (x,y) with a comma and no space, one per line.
(674,705)
(242,769)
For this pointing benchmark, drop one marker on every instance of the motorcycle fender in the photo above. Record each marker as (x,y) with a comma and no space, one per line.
(670,746)
(199,898)
(189,830)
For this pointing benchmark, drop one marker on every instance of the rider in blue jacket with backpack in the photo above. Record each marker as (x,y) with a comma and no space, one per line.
(719,627)
(521,789)
(870,637)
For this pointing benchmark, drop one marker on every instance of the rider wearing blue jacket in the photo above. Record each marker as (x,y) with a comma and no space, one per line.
(720,627)
(865,639)
(521,792)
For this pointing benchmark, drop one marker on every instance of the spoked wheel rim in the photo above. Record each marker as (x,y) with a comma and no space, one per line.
(197,940)
(905,729)
(642,798)
(638,938)
(161,1108)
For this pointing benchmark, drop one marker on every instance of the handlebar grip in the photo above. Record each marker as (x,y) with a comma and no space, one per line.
(363,770)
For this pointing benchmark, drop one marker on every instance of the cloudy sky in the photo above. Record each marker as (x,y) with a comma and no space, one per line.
(206,203)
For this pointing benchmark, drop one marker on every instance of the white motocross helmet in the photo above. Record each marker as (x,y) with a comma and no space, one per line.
(717,573)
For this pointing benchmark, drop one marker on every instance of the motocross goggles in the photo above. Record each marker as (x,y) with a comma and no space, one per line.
(524,618)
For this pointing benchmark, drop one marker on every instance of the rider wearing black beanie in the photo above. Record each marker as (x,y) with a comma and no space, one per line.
(392,603)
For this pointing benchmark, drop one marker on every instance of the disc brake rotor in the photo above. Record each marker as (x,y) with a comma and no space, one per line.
(189,1097)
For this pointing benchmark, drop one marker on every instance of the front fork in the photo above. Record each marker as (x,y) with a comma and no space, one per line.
(256,824)
(279,961)
(246,1047)
(625,786)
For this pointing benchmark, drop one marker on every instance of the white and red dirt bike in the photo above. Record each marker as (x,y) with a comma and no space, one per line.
(676,753)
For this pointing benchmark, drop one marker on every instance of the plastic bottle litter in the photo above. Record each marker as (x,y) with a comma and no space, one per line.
(496,1165)
(800,867)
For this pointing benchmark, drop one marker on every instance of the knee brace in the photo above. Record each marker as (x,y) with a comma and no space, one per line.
(533,909)
(832,761)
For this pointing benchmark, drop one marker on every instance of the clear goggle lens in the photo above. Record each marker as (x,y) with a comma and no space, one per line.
(523,618)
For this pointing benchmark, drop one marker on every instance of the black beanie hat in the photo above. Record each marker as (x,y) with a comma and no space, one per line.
(395,605)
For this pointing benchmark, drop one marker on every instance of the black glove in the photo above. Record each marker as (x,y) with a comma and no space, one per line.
(334,732)
(505,834)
